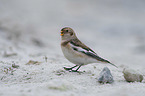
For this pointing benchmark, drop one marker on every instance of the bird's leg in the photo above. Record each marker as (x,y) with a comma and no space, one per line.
(70,68)
(76,69)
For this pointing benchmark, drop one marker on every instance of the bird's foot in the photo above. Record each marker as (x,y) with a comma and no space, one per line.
(68,69)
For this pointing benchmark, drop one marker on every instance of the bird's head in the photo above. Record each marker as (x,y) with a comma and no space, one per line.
(67,33)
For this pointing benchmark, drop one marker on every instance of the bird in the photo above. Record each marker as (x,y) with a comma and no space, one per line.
(77,52)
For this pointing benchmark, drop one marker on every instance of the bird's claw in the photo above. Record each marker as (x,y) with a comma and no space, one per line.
(67,68)
(70,69)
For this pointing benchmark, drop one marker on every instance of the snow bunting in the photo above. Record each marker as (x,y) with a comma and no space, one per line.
(77,52)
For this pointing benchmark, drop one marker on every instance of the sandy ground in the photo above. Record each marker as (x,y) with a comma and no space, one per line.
(30,31)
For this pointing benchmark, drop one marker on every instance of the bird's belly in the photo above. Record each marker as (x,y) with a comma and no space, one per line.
(77,58)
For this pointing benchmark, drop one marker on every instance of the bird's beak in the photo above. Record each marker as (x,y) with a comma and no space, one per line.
(62,33)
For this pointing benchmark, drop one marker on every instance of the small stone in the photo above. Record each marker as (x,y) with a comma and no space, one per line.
(15,66)
(105,76)
(132,76)
(31,62)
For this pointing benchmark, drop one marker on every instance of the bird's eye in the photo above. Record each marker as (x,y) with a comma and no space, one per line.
(66,30)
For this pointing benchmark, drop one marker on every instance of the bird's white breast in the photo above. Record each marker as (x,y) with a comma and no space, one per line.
(75,57)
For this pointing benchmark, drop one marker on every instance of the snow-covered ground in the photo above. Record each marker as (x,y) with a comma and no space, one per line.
(30,31)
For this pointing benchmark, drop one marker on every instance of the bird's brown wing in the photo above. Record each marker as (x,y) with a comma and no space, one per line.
(86,50)
(78,43)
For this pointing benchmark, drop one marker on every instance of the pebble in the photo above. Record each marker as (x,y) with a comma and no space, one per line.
(105,76)
(15,66)
(132,76)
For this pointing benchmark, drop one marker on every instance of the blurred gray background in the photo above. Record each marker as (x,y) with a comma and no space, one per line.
(113,28)
(107,16)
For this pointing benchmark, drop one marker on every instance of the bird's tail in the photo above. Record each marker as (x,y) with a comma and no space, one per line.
(113,64)
(103,60)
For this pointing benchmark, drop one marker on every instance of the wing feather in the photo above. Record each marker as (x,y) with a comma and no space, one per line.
(78,43)
(80,47)
(87,51)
